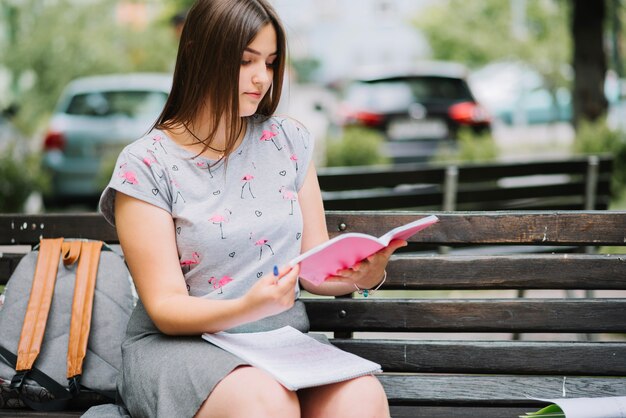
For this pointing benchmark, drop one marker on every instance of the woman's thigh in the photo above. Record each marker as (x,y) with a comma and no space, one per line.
(250,392)
(363,397)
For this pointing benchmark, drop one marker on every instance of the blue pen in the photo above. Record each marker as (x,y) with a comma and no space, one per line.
(276,271)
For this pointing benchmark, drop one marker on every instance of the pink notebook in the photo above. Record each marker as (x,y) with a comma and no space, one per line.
(346,250)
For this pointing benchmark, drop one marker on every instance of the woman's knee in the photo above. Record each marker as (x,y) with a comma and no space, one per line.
(247,392)
(361,397)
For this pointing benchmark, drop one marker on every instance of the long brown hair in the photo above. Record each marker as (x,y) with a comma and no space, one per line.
(212,43)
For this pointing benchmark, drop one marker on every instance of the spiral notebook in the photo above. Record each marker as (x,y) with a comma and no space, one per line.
(293,358)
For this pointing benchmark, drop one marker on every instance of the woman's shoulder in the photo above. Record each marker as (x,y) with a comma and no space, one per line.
(152,143)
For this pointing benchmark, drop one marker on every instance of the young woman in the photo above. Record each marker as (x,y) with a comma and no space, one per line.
(205,205)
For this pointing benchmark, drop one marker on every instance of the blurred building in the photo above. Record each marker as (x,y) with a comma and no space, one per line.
(344,34)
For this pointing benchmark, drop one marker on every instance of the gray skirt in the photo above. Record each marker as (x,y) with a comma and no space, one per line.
(171,376)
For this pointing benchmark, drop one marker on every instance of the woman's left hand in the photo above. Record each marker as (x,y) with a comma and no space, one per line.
(368,273)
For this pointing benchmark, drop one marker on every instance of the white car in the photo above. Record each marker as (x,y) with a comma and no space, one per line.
(94,119)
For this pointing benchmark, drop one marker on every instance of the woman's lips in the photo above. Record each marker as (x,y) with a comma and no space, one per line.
(253,95)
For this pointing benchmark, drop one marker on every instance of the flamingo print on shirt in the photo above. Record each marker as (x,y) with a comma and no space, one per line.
(269,135)
(157,140)
(151,161)
(288,195)
(246,184)
(294,158)
(186,264)
(263,243)
(218,284)
(128,176)
(204,165)
(219,219)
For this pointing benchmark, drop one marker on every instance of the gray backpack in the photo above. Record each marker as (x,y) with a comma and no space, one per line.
(74,357)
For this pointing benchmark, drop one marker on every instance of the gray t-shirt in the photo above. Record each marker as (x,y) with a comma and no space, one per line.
(233,221)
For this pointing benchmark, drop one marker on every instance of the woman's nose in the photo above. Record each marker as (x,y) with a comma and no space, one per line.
(261,76)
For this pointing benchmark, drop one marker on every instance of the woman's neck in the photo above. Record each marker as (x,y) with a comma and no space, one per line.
(195,139)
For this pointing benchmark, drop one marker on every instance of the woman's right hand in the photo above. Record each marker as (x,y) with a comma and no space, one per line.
(271,295)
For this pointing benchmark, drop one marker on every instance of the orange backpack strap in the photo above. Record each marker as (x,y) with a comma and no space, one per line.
(82,307)
(38,307)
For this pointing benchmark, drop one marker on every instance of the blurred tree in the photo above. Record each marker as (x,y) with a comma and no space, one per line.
(53,42)
(550,35)
(478,32)
(589,60)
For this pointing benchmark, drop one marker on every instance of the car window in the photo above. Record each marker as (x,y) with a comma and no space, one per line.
(133,104)
(439,88)
(383,96)
(398,93)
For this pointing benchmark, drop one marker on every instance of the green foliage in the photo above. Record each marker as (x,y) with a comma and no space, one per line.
(478,32)
(357,146)
(54,42)
(305,68)
(470,146)
(596,138)
(19,177)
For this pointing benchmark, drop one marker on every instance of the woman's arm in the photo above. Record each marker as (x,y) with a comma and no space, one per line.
(147,236)
(366,274)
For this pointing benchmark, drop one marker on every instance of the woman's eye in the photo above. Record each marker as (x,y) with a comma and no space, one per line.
(245,62)
(270,64)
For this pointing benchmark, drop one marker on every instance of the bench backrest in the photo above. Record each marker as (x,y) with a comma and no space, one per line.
(556,184)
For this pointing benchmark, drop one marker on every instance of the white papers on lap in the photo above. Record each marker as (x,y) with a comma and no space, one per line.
(606,407)
(294,359)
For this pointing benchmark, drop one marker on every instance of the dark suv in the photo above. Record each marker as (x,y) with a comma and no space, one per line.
(418,110)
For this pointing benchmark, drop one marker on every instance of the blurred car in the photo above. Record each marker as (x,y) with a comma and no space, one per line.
(417,109)
(93,120)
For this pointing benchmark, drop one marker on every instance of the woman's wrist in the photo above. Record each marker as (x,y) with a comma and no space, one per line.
(367,292)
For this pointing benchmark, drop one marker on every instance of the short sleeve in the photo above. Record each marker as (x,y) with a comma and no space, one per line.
(302,145)
(138,173)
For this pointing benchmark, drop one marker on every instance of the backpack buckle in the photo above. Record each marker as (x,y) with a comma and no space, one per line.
(18,380)
(74,385)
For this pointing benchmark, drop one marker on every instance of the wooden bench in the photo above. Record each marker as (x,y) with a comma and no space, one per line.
(442,327)
(557,184)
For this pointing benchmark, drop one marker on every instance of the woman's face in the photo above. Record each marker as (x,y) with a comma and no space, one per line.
(257,70)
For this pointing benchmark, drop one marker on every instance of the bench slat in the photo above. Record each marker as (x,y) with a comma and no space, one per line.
(18,229)
(527,271)
(498,357)
(455,412)
(494,390)
(492,228)
(466,315)
(477,228)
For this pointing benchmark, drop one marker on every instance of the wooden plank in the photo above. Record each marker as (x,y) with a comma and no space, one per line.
(468,315)
(456,412)
(491,228)
(533,228)
(17,229)
(526,271)
(350,178)
(488,390)
(493,357)
(355,178)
